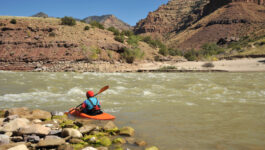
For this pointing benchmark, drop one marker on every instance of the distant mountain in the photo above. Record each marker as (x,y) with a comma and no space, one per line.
(109,21)
(188,24)
(41,14)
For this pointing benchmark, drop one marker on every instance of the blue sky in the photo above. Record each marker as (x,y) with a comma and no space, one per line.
(130,11)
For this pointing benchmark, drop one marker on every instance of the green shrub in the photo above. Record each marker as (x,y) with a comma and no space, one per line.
(174,52)
(146,39)
(68,21)
(120,38)
(210,49)
(114,30)
(13,21)
(131,54)
(191,55)
(133,40)
(86,28)
(168,68)
(127,33)
(97,25)
(163,50)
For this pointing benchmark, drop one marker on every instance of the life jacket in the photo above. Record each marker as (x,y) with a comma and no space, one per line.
(95,109)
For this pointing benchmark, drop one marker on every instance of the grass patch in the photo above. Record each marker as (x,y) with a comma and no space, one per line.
(97,25)
(115,31)
(168,68)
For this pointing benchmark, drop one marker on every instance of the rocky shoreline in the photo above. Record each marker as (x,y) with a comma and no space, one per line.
(24,129)
(235,65)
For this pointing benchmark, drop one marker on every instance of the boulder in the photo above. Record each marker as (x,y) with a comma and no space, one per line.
(51,141)
(102,148)
(141,143)
(9,134)
(71,132)
(89,148)
(36,121)
(152,148)
(130,140)
(10,145)
(32,138)
(1,121)
(119,141)
(16,138)
(4,139)
(55,132)
(75,141)
(127,131)
(2,113)
(35,129)
(12,117)
(87,128)
(19,147)
(110,126)
(22,112)
(15,124)
(40,114)
(65,147)
(105,141)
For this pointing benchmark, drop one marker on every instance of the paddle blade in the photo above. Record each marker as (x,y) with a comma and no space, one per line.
(103,89)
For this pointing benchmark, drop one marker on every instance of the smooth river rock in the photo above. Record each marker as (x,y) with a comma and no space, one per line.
(35,129)
(40,114)
(19,147)
(87,128)
(4,139)
(109,126)
(51,141)
(127,131)
(71,132)
(15,124)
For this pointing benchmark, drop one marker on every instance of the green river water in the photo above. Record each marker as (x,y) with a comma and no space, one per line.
(174,111)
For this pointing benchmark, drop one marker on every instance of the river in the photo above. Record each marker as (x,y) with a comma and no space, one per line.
(187,111)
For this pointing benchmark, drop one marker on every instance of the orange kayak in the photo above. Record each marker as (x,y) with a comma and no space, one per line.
(103,116)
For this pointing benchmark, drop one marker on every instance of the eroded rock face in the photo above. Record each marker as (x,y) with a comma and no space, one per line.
(175,16)
(188,24)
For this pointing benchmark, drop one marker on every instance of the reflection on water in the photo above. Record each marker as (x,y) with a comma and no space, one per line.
(202,111)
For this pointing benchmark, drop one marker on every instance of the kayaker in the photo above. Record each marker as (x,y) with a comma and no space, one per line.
(91,105)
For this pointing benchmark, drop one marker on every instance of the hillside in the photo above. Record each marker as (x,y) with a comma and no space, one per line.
(109,21)
(237,19)
(187,24)
(29,41)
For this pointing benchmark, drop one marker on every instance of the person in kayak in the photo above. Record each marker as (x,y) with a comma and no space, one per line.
(91,105)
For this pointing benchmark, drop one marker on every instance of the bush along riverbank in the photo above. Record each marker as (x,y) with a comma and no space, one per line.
(24,129)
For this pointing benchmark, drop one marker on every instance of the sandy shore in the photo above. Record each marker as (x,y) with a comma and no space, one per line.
(237,65)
